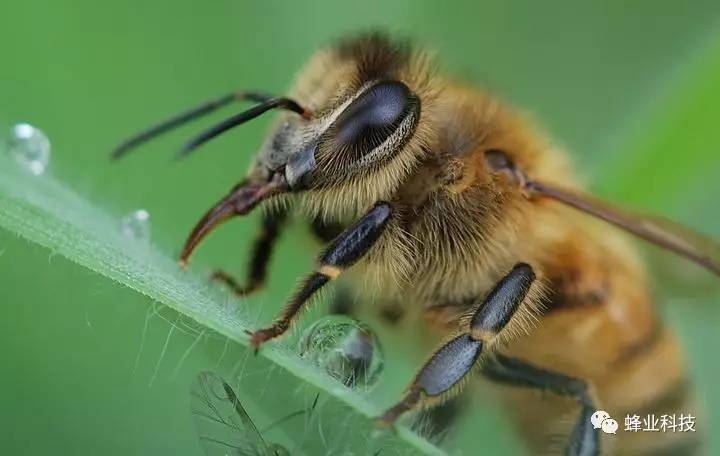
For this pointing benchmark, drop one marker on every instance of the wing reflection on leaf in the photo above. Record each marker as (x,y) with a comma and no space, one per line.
(224,427)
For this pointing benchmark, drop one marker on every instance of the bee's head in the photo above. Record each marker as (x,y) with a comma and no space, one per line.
(353,131)
(368,99)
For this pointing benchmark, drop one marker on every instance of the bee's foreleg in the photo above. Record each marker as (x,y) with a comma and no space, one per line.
(443,373)
(343,252)
(261,252)
(584,439)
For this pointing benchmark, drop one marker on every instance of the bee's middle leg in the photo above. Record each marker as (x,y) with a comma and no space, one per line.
(343,302)
(262,250)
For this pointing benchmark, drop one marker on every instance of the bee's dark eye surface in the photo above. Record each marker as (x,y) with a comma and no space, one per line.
(371,118)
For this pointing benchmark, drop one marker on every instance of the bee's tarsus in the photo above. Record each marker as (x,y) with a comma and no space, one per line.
(447,366)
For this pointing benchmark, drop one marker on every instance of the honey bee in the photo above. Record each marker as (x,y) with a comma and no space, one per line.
(438,199)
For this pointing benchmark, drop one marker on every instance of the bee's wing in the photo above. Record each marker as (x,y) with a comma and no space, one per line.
(659,231)
(223,425)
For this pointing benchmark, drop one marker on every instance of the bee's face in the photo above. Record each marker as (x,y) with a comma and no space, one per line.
(359,134)
(364,133)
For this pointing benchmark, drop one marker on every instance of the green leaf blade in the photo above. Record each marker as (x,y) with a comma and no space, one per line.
(44,211)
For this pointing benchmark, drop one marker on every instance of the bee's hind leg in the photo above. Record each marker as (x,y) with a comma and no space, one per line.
(262,249)
(584,439)
(441,376)
(443,372)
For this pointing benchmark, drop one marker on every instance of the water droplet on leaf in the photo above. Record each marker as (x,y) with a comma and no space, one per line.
(136,225)
(29,147)
(346,349)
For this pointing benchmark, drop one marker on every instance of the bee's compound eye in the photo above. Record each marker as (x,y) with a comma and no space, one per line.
(375,115)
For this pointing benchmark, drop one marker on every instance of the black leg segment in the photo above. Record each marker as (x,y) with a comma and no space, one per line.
(584,440)
(354,242)
(502,302)
(342,253)
(444,370)
(261,253)
(450,364)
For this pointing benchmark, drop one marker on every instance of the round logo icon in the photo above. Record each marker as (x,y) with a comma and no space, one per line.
(598,417)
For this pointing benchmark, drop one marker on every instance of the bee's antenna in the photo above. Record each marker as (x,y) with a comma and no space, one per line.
(661,232)
(185,117)
(666,234)
(239,119)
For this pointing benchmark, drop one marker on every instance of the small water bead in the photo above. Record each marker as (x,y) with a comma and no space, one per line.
(29,146)
(346,349)
(136,225)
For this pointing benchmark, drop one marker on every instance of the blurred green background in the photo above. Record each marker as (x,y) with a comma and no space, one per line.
(631,88)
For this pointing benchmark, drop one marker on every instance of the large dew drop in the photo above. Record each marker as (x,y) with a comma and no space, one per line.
(29,147)
(346,349)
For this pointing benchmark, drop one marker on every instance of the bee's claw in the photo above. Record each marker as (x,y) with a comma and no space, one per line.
(259,337)
(384,424)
